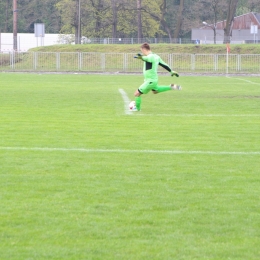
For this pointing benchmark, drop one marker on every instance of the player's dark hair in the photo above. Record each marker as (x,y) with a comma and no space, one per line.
(146,46)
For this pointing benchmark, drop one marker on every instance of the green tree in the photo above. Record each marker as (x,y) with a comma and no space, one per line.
(247,6)
(68,13)
(6,16)
(108,18)
(30,12)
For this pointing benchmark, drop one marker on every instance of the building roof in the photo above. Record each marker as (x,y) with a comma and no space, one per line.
(240,22)
(257,17)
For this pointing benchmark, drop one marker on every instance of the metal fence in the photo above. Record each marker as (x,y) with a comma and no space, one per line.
(26,41)
(136,40)
(125,63)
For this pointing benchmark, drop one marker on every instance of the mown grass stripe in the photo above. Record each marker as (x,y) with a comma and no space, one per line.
(89,150)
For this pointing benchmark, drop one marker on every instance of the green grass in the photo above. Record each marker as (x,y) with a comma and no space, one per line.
(158,48)
(81,179)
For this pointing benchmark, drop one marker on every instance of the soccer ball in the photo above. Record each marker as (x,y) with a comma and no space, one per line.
(132,106)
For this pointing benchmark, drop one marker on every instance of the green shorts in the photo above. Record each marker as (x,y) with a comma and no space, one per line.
(148,86)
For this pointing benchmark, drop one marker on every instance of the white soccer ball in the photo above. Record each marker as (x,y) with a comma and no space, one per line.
(132,105)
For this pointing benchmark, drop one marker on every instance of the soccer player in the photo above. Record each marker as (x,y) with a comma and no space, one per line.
(151,62)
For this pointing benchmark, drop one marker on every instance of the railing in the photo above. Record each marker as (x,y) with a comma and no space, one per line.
(27,41)
(135,40)
(125,63)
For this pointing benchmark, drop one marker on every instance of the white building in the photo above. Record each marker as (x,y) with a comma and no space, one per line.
(241,30)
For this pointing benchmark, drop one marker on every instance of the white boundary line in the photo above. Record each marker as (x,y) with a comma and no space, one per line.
(201,115)
(251,82)
(85,150)
(126,101)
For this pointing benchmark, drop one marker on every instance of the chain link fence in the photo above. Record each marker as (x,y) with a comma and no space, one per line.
(125,63)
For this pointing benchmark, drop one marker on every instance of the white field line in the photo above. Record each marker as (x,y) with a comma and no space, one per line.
(126,101)
(85,150)
(251,82)
(201,115)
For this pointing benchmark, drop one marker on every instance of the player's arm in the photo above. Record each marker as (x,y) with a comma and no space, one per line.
(139,56)
(166,67)
(148,58)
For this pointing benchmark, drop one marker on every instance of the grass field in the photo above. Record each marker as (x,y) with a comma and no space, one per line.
(82,178)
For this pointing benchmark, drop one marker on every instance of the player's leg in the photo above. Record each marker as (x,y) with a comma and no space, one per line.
(138,99)
(175,87)
(143,89)
(159,89)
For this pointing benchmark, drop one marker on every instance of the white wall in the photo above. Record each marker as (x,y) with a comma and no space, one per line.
(26,41)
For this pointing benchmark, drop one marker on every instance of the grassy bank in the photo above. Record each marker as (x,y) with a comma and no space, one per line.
(159,48)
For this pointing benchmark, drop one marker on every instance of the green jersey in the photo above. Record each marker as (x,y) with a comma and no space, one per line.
(150,68)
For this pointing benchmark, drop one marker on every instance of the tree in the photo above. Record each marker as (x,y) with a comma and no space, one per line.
(253,5)
(98,9)
(152,18)
(7,7)
(78,22)
(33,11)
(95,18)
(69,11)
(247,6)
(114,18)
(158,12)
(120,18)
(179,20)
(139,19)
(215,13)
(232,5)
(6,15)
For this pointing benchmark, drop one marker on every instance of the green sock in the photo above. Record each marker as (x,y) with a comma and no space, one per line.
(160,89)
(138,101)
